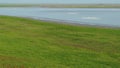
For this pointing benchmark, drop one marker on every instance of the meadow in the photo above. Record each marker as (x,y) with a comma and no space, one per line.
(29,43)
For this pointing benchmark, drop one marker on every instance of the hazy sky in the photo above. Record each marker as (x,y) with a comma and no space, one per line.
(59,1)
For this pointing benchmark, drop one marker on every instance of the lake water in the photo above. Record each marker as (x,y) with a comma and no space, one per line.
(90,16)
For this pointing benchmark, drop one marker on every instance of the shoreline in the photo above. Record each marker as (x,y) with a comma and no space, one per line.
(69,22)
(66,22)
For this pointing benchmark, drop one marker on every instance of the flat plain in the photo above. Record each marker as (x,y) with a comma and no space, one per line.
(63,5)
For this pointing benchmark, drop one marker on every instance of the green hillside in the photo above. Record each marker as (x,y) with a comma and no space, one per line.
(27,43)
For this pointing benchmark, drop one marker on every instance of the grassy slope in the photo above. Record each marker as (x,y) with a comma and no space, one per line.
(26,43)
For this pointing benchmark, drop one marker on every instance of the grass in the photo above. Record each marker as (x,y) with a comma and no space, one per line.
(63,5)
(26,43)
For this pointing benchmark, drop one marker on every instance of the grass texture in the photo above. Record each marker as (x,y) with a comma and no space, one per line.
(27,43)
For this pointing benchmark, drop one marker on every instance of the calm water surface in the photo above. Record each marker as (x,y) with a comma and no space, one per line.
(100,16)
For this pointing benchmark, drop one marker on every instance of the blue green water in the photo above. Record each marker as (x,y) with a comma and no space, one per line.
(90,16)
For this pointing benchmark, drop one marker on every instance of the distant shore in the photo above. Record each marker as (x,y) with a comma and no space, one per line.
(63,5)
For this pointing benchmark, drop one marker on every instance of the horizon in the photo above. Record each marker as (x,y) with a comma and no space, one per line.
(60,2)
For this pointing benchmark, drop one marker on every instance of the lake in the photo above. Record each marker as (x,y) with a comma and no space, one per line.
(89,16)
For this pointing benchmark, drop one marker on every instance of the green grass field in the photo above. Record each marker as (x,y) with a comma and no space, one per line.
(27,43)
